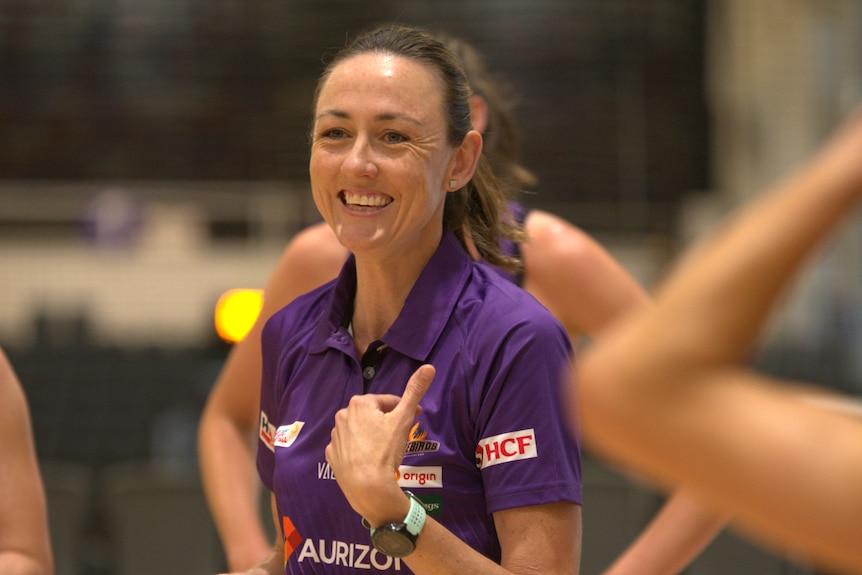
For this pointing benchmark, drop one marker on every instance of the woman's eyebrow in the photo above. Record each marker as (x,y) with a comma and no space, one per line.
(384,117)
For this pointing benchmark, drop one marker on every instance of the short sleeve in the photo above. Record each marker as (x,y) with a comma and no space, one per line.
(525,449)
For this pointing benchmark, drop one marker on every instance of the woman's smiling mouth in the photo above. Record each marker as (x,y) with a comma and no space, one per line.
(364,201)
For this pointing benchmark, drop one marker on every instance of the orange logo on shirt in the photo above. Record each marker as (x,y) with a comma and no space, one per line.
(292,538)
(417,432)
(418,441)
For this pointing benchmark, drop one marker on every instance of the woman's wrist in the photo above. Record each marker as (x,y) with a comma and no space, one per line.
(383,505)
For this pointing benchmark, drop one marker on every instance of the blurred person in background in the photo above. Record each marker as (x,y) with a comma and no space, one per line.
(667,392)
(25,547)
(563,267)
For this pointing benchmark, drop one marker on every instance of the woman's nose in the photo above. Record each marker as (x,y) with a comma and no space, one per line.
(360,161)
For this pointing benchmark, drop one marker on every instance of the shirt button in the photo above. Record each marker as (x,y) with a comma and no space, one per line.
(368,372)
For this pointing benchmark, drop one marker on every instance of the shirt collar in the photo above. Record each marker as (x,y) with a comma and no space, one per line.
(426,310)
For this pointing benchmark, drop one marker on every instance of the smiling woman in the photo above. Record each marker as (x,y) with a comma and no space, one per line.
(382,161)
(395,92)
(397,173)
(563,268)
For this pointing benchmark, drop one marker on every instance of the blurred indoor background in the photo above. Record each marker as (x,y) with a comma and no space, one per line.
(153,154)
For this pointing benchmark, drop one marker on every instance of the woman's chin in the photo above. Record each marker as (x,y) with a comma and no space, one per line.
(358,241)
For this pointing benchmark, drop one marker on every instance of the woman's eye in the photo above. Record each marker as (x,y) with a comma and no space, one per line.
(334,134)
(394,138)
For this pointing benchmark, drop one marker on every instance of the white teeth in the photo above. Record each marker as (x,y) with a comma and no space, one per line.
(362,200)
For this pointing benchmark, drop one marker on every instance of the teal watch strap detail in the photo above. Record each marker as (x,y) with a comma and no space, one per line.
(415,519)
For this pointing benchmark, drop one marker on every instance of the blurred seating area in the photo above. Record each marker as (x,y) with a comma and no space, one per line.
(221,90)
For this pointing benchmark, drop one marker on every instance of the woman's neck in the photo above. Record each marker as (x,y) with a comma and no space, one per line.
(382,288)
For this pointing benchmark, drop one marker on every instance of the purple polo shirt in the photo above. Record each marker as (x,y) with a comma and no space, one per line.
(491,435)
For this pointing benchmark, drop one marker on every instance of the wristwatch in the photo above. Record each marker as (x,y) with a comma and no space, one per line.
(399,539)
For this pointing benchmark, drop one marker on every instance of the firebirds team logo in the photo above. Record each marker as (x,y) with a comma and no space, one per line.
(418,441)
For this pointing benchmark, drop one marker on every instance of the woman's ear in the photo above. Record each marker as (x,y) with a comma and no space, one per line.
(479,114)
(464,161)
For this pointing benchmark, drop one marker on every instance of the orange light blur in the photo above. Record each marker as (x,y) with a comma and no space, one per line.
(236,311)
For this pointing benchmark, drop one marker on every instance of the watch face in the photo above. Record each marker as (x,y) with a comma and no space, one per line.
(393,540)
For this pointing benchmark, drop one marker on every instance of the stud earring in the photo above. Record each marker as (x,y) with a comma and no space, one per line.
(453,184)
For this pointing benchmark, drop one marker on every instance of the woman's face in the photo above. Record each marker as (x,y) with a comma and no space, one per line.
(380,162)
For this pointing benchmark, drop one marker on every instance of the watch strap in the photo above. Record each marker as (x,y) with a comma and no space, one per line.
(415,519)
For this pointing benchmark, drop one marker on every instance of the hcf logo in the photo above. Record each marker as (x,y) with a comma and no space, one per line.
(506,447)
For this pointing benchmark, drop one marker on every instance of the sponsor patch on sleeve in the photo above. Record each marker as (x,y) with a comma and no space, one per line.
(506,447)
(266,432)
(285,435)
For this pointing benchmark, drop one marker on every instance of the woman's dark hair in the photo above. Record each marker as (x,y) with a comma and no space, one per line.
(480,208)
